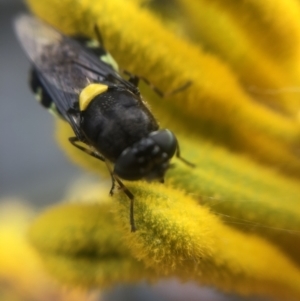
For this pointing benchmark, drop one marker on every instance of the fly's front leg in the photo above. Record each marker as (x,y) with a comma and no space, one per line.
(94,154)
(75,140)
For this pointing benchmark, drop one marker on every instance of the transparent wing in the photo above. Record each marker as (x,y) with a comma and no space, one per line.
(63,65)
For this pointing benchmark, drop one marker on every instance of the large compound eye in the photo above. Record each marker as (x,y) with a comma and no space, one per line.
(148,158)
(166,140)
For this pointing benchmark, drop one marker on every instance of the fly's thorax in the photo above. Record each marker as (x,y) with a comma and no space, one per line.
(114,119)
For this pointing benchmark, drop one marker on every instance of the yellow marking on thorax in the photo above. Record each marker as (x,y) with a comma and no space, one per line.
(89,93)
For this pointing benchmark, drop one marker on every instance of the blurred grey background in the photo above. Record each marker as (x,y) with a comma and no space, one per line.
(32,166)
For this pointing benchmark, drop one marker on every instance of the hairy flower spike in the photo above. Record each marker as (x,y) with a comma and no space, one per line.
(175,237)
(250,49)
(22,275)
(280,20)
(83,246)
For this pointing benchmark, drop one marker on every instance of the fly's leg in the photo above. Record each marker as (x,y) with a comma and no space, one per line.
(99,36)
(115,178)
(75,140)
(131,197)
(134,79)
(179,89)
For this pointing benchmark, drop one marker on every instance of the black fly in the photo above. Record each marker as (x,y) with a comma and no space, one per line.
(79,81)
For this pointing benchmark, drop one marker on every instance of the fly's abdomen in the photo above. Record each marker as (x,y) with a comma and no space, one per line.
(41,94)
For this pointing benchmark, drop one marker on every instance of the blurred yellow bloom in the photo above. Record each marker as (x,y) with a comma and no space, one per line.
(234,122)
(22,276)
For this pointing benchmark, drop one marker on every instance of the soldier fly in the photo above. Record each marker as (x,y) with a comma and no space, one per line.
(80,82)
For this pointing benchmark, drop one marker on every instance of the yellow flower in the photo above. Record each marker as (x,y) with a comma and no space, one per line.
(245,147)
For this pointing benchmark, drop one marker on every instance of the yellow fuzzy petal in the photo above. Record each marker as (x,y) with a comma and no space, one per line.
(22,276)
(175,236)
(84,247)
(248,196)
(216,30)
(279,19)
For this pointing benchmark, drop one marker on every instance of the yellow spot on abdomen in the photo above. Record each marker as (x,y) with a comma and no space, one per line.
(89,93)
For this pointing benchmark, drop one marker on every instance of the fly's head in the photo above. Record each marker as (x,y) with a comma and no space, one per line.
(148,158)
